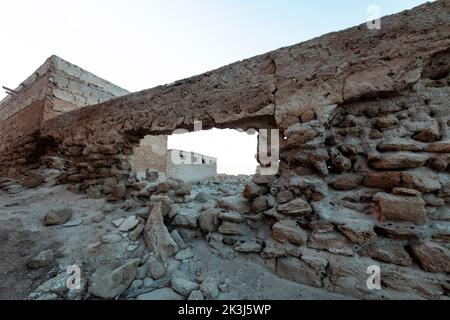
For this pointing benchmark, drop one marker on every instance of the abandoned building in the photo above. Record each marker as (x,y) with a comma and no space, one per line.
(363,180)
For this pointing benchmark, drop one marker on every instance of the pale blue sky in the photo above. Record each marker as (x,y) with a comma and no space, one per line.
(139,44)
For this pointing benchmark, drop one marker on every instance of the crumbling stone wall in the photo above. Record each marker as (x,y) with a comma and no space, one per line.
(280,89)
(151,154)
(55,88)
(363,179)
(20,122)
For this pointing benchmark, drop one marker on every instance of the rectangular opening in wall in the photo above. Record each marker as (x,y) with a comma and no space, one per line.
(227,151)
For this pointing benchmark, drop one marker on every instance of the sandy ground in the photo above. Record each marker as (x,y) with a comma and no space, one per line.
(23,235)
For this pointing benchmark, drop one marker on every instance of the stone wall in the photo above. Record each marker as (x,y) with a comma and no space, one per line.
(279,89)
(151,154)
(57,87)
(20,122)
(190,166)
(364,177)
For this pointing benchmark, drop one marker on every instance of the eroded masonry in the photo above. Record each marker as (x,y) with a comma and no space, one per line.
(363,181)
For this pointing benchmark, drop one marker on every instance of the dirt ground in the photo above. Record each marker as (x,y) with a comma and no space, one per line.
(23,235)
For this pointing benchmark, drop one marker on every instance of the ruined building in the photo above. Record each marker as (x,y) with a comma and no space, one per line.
(55,88)
(363,118)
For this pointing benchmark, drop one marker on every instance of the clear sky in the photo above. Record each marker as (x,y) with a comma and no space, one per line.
(138,44)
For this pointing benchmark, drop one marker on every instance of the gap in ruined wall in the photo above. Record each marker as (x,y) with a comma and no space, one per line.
(235,150)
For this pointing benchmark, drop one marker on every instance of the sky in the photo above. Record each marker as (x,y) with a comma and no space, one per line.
(139,44)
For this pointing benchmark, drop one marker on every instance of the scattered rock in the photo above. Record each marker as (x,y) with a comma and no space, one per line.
(137,232)
(202,197)
(108,283)
(157,237)
(178,239)
(129,224)
(57,216)
(118,222)
(161,294)
(186,219)
(208,220)
(148,283)
(156,269)
(184,254)
(209,288)
(112,238)
(33,180)
(183,286)
(196,295)
(73,223)
(43,259)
